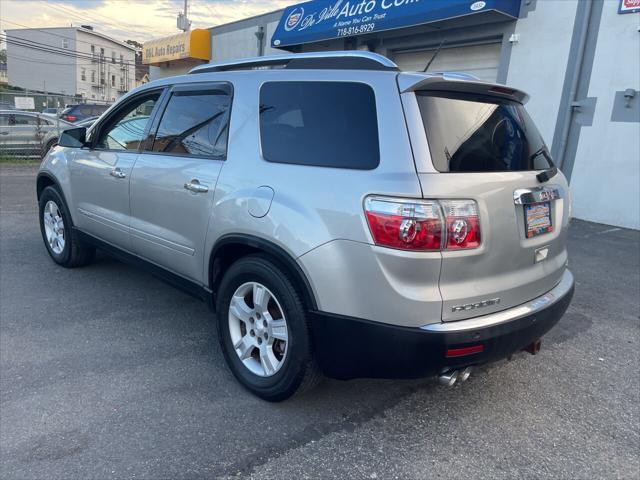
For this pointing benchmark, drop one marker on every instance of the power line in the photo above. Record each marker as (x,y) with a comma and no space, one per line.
(84,17)
(83,64)
(53,34)
(57,50)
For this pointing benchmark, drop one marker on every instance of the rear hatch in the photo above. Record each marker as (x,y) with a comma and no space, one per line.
(483,146)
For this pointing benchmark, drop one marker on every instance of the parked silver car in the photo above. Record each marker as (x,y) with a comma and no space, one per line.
(340,216)
(51,138)
(27,133)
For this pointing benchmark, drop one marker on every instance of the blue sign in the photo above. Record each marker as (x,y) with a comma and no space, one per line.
(329,19)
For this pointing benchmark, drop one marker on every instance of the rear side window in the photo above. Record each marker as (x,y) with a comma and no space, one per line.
(481,134)
(195,123)
(325,124)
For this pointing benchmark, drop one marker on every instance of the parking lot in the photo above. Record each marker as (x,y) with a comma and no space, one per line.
(106,372)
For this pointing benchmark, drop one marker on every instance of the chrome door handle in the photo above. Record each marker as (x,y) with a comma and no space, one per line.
(195,186)
(117,173)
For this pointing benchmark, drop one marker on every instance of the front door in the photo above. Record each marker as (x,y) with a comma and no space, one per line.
(172,184)
(100,174)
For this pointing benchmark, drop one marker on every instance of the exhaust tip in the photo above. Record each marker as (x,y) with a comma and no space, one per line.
(534,347)
(465,374)
(448,379)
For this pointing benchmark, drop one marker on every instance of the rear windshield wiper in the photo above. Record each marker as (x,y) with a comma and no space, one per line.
(550,172)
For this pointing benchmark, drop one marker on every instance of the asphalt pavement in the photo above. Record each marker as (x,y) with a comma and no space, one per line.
(108,373)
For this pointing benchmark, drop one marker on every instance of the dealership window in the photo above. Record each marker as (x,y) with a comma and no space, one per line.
(121,59)
(195,123)
(83,75)
(325,124)
(102,52)
(113,57)
(102,80)
(113,80)
(93,76)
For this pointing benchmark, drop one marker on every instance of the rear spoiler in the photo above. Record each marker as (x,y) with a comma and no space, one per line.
(457,82)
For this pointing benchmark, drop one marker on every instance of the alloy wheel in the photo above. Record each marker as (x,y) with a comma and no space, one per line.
(258,329)
(54,227)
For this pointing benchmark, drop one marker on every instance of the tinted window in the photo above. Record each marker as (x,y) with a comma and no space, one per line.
(481,134)
(125,129)
(195,123)
(22,120)
(327,124)
(98,110)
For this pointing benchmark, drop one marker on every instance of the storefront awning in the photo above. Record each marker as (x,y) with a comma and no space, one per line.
(192,44)
(320,20)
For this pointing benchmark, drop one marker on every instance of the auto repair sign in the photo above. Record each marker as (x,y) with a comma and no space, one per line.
(629,6)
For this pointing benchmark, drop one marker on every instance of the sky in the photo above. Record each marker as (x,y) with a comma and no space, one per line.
(139,20)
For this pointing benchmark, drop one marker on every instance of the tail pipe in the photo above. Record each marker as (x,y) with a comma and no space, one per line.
(451,377)
(534,347)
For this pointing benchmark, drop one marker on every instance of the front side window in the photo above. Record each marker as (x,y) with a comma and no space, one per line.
(195,123)
(126,129)
(325,124)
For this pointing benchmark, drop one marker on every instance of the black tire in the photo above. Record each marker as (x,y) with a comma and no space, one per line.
(299,371)
(49,146)
(74,254)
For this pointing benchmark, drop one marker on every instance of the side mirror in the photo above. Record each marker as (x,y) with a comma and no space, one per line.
(73,137)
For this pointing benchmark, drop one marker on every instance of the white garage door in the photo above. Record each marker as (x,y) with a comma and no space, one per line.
(479,60)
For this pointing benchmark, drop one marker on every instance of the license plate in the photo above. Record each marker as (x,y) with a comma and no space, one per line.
(537,219)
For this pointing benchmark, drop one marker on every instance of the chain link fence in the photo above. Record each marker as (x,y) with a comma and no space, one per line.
(41,101)
(28,137)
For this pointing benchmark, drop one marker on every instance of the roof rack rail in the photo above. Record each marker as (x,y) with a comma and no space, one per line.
(347,60)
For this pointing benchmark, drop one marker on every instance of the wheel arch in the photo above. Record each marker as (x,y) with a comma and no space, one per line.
(45,180)
(230,248)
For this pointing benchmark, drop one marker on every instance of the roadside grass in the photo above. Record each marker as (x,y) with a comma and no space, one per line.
(17,160)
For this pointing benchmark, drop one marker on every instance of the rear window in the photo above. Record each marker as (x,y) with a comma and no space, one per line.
(325,124)
(481,134)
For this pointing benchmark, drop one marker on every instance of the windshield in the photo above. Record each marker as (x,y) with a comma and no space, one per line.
(471,133)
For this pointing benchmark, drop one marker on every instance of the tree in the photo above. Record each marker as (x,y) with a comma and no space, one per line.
(133,43)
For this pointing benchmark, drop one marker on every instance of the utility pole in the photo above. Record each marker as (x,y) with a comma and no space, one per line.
(183,22)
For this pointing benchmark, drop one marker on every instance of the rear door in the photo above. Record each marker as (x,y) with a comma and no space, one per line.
(174,180)
(487,149)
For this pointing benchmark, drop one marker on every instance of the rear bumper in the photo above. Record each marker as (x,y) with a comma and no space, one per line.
(350,348)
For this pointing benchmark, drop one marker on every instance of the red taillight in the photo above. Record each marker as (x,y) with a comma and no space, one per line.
(425,225)
(464,351)
(463,226)
(69,118)
(405,224)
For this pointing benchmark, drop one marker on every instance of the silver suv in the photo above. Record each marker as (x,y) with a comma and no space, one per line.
(341,217)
